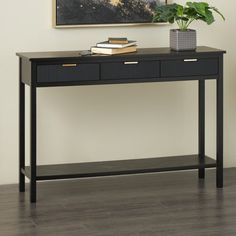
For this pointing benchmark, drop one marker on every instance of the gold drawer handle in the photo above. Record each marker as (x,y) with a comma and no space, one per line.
(190,60)
(131,62)
(69,65)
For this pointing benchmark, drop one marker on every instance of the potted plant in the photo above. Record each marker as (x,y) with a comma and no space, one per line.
(185,38)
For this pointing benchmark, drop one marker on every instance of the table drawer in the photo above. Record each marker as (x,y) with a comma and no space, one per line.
(130,70)
(189,67)
(67,72)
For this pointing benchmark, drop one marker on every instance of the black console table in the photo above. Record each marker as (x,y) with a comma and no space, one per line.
(45,69)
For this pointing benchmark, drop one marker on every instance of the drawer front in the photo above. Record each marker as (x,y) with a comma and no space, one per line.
(189,67)
(67,72)
(130,70)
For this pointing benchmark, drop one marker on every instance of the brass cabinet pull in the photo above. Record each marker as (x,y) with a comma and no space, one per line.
(69,65)
(190,60)
(131,62)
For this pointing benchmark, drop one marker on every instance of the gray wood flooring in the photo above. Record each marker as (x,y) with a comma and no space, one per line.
(154,204)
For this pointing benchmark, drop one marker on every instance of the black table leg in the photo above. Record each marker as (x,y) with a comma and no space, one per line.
(21,130)
(33,142)
(219,128)
(201,128)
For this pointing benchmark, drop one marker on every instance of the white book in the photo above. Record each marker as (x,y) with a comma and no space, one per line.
(106,44)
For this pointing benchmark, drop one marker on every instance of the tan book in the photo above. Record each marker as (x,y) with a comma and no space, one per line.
(112,51)
(118,40)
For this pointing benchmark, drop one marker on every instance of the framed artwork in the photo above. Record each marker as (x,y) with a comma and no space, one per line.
(85,13)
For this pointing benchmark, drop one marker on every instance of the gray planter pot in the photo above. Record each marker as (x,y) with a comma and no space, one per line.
(183,40)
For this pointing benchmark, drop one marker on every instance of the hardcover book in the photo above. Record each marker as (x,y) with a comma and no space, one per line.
(118,40)
(112,51)
(106,44)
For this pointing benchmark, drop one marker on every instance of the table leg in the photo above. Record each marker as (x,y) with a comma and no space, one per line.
(21,130)
(219,127)
(201,128)
(33,142)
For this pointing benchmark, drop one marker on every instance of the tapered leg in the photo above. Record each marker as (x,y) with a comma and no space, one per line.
(33,150)
(219,128)
(21,130)
(201,128)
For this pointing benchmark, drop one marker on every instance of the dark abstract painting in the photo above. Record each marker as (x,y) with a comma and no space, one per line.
(102,12)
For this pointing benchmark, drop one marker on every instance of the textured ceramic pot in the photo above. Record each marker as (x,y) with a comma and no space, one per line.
(183,40)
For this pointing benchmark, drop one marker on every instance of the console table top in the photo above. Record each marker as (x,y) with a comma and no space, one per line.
(164,51)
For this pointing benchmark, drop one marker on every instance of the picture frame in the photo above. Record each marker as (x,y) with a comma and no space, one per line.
(103,13)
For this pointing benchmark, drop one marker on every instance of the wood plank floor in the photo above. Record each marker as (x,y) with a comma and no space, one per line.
(154,204)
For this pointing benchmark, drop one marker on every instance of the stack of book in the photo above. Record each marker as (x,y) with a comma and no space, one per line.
(115,46)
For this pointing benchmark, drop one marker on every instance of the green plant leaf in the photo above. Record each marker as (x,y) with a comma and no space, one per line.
(166,13)
(217,11)
(200,7)
(209,18)
(180,10)
(190,12)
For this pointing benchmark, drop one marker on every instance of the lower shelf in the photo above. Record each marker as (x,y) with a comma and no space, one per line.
(108,168)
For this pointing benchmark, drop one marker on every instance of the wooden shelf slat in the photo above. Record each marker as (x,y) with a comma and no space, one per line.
(121,167)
